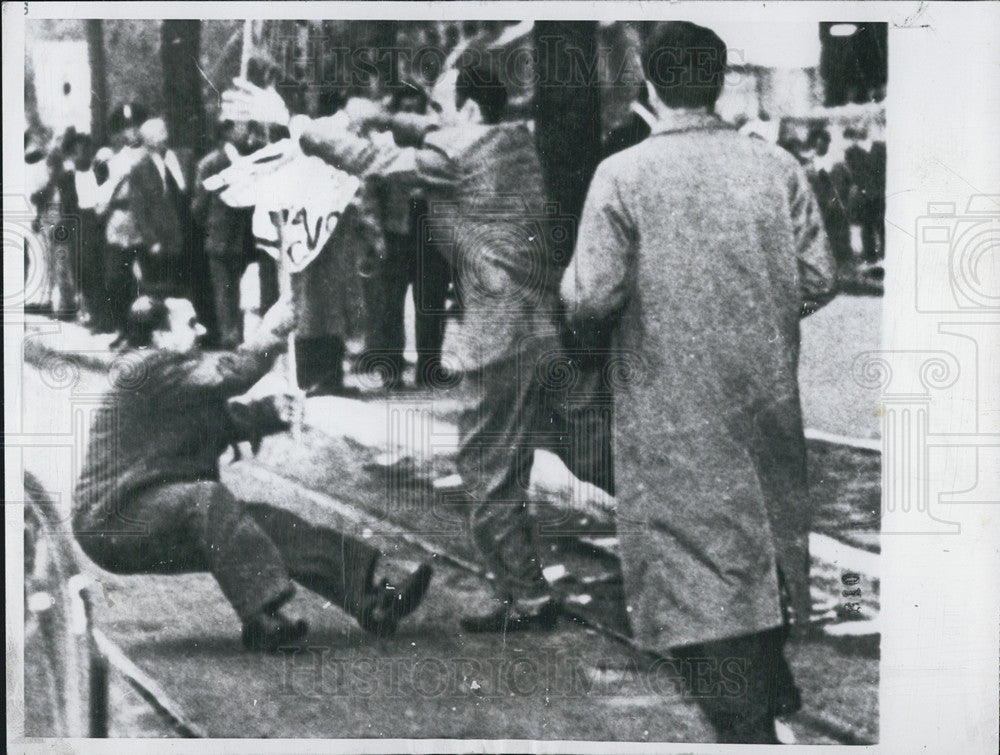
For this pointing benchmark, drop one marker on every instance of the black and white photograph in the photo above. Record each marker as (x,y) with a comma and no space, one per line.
(487,377)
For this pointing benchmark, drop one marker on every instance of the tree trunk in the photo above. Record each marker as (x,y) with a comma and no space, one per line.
(568,113)
(185,116)
(98,82)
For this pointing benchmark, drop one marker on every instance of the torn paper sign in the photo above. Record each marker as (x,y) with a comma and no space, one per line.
(297,200)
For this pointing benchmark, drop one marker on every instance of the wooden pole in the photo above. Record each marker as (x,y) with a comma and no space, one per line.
(285,289)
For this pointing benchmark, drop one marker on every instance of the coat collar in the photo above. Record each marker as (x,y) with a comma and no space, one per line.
(685,120)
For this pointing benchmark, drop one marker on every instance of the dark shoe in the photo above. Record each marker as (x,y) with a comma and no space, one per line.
(507,619)
(387,604)
(266,632)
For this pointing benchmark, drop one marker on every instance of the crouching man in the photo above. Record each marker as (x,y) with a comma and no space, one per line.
(149,498)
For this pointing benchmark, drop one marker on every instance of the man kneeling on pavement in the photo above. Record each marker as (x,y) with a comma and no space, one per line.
(149,499)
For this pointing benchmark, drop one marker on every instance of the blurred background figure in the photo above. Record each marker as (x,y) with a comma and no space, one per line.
(158,194)
(831,185)
(115,203)
(226,232)
(407,265)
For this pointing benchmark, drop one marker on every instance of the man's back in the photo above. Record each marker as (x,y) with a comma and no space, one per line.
(491,222)
(715,221)
(704,245)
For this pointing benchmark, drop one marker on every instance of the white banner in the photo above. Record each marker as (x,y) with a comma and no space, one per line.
(297,200)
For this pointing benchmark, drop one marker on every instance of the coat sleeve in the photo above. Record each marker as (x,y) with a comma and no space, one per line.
(229,374)
(595,284)
(252,420)
(817,268)
(364,157)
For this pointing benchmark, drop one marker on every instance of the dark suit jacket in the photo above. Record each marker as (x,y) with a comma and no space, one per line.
(144,213)
(227,231)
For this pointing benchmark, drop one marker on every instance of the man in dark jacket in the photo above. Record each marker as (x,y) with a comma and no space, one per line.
(406,263)
(227,232)
(489,219)
(144,225)
(149,499)
(113,205)
(157,188)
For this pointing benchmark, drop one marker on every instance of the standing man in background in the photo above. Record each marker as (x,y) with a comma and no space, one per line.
(226,232)
(157,194)
(407,262)
(702,248)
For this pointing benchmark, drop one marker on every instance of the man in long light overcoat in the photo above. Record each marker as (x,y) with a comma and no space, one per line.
(701,248)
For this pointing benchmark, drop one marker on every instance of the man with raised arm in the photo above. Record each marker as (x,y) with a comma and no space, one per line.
(488,217)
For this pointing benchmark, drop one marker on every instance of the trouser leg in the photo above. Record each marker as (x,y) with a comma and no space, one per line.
(225,276)
(737,683)
(431,276)
(190,527)
(495,458)
(581,418)
(201,285)
(334,565)
(95,299)
(120,284)
(386,336)
(319,363)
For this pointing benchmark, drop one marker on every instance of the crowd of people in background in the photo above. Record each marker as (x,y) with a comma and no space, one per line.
(133,218)
(848,178)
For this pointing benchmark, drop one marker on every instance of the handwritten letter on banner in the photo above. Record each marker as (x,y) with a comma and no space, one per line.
(297,200)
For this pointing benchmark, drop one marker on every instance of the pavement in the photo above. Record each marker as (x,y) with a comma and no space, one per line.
(373,465)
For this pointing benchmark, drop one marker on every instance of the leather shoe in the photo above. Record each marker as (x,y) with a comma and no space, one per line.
(508,619)
(266,632)
(387,604)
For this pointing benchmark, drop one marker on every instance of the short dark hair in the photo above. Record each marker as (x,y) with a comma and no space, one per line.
(685,63)
(147,315)
(481,84)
